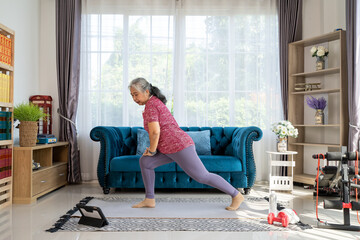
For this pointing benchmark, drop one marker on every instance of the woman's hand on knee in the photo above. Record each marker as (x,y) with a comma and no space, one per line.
(148,153)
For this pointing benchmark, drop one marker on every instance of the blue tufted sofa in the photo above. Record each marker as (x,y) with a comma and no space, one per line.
(231,148)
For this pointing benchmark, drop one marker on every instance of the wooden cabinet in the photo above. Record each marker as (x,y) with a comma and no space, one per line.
(333,81)
(7,38)
(31,184)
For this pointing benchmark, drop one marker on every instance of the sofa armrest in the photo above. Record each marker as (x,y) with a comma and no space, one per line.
(110,147)
(243,139)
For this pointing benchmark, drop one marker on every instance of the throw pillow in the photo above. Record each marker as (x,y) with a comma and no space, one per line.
(202,141)
(143,141)
(200,138)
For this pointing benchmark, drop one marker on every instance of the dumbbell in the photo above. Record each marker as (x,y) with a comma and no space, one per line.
(281,217)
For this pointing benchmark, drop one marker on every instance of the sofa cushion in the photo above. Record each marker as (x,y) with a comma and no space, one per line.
(130,163)
(143,141)
(200,138)
(220,138)
(219,163)
(202,141)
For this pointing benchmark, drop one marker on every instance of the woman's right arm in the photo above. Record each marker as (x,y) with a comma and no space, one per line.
(154,135)
(152,117)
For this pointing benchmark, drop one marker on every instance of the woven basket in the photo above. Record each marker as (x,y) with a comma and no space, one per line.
(28,133)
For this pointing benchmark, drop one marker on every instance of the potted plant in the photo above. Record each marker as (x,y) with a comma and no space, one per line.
(320,53)
(283,130)
(319,105)
(28,114)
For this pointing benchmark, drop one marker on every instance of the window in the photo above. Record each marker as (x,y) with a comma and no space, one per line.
(124,47)
(226,64)
(215,70)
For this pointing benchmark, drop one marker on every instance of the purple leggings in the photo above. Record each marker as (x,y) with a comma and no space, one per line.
(189,161)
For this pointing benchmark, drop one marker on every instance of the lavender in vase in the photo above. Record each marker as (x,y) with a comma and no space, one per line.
(316,103)
(319,104)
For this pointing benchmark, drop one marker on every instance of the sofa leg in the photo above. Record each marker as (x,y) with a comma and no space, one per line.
(246,191)
(106,190)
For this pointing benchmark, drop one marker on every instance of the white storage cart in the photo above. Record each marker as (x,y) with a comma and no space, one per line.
(277,182)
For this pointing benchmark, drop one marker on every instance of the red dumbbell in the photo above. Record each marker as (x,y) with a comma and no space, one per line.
(281,217)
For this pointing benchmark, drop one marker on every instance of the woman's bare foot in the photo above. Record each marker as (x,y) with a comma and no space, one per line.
(236,201)
(147,203)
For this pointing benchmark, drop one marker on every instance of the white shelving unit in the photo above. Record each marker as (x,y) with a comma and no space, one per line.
(284,183)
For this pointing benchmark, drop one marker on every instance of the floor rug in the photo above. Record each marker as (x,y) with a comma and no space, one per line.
(176,214)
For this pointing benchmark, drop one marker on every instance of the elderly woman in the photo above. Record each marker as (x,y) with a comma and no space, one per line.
(168,143)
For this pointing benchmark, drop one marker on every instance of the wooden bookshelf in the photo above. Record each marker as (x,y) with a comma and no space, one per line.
(317,73)
(316,126)
(333,76)
(6,67)
(335,90)
(6,184)
(305,178)
(316,144)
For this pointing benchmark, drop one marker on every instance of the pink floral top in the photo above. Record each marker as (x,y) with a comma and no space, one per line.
(172,137)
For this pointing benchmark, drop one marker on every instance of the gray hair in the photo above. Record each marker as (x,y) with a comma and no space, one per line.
(142,85)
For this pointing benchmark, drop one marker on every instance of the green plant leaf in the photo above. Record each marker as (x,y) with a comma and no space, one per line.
(28,112)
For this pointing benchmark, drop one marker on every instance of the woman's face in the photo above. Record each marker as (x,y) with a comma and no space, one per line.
(139,97)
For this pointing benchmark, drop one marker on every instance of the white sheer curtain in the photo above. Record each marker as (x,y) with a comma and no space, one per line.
(216,62)
(357,76)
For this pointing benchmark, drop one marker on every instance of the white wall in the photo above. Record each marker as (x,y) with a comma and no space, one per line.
(47,59)
(22,16)
(320,17)
(35,54)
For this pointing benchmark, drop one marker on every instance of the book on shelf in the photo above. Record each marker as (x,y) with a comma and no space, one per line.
(5,49)
(4,87)
(5,125)
(5,162)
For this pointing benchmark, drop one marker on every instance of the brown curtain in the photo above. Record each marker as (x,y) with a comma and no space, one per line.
(290,30)
(68,30)
(353,82)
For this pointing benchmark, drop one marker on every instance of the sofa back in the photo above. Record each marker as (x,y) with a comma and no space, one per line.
(220,139)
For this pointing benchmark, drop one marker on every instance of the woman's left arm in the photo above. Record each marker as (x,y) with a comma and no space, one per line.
(154,135)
